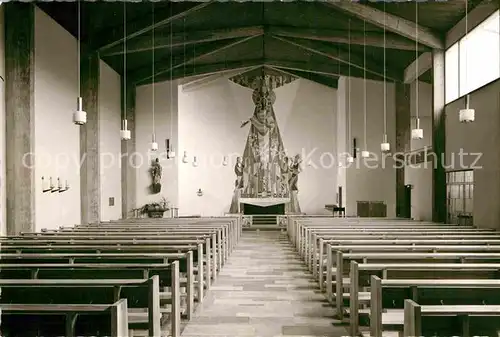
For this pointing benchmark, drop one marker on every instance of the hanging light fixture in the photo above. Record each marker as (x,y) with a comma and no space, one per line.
(416,133)
(171,151)
(195,162)
(224,161)
(79,116)
(364,153)
(154,144)
(125,133)
(185,158)
(385,146)
(466,115)
(349,158)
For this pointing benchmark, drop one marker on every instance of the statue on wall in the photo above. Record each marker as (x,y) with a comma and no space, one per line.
(238,170)
(294,172)
(285,176)
(156,173)
(295,169)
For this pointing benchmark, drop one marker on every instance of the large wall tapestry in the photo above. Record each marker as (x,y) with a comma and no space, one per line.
(265,170)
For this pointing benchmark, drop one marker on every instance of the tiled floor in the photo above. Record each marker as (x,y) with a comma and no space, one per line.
(264,291)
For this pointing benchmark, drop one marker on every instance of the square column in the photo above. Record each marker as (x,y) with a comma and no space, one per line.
(128,156)
(439,208)
(20,116)
(90,178)
(403,127)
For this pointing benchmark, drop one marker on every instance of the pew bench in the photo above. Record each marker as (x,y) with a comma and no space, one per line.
(327,260)
(473,320)
(213,245)
(116,313)
(139,293)
(388,296)
(360,278)
(343,264)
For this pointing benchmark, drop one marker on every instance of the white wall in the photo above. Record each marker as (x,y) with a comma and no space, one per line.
(209,128)
(306,115)
(478,139)
(373,179)
(3,211)
(420,175)
(165,126)
(57,139)
(110,142)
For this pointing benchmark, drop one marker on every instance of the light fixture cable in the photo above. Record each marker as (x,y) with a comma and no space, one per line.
(416,65)
(125,64)
(364,85)
(349,91)
(78,48)
(385,82)
(153,67)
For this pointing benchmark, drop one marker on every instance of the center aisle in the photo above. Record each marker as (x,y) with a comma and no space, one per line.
(264,290)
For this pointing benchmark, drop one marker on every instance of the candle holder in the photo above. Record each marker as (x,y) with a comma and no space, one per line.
(65,188)
(57,188)
(46,185)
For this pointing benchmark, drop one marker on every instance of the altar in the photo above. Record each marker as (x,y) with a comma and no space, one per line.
(264,206)
(266,177)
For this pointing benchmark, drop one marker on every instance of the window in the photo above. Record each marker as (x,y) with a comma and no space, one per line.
(452,78)
(460,196)
(474,61)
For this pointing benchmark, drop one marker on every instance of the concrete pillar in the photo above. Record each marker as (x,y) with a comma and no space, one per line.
(20,116)
(438,138)
(128,157)
(403,131)
(90,188)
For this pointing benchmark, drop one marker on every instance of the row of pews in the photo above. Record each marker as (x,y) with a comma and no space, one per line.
(403,278)
(140,277)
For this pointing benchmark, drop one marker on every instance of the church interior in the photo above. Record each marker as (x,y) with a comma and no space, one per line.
(250,169)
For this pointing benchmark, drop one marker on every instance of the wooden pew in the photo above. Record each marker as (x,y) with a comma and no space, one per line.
(360,277)
(326,266)
(213,264)
(418,318)
(123,260)
(343,264)
(53,289)
(425,292)
(118,313)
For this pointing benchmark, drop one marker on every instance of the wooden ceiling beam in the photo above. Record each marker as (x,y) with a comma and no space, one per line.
(202,69)
(373,39)
(328,81)
(338,55)
(206,80)
(327,69)
(321,69)
(165,40)
(393,23)
(139,27)
(186,59)
(413,72)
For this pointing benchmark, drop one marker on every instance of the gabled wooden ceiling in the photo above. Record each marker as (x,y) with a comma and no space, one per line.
(319,41)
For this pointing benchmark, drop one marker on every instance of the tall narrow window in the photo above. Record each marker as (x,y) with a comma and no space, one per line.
(451,73)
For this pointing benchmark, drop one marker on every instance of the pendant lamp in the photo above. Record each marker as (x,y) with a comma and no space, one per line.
(185,158)
(125,133)
(364,153)
(195,162)
(154,144)
(385,146)
(79,116)
(417,132)
(349,158)
(466,115)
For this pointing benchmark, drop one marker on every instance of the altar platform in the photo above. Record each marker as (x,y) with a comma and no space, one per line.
(264,202)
